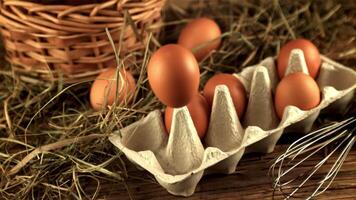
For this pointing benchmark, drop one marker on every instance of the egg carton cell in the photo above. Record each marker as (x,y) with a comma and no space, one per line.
(179,160)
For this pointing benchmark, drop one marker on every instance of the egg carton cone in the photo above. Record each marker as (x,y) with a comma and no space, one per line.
(260,110)
(179,160)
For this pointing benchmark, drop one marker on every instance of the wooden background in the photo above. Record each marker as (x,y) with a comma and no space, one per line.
(250,181)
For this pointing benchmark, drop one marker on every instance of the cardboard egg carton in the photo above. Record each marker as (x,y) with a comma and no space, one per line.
(179,161)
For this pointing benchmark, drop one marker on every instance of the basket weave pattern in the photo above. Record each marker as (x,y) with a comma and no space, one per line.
(48,41)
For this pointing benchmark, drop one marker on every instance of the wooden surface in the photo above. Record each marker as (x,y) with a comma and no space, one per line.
(249,182)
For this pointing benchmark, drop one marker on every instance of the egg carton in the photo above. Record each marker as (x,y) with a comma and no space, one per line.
(179,161)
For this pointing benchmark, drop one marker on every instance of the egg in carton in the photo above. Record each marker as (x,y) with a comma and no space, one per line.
(179,161)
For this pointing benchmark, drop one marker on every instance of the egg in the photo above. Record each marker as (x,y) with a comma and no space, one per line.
(297,89)
(311,54)
(201,32)
(199,111)
(173,74)
(105,88)
(236,89)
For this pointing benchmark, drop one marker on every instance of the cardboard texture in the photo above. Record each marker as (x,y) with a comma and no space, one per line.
(179,161)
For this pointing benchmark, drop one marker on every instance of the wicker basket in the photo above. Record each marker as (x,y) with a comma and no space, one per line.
(52,41)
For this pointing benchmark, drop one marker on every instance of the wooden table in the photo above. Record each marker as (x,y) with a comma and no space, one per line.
(250,181)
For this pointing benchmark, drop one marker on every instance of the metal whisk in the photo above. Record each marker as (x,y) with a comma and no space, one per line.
(336,139)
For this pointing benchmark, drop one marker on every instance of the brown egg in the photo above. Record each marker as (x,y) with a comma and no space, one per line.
(311,54)
(201,31)
(236,89)
(173,74)
(297,89)
(199,111)
(105,87)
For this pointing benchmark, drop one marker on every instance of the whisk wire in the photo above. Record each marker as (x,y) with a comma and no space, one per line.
(340,136)
(294,146)
(335,169)
(316,168)
(283,156)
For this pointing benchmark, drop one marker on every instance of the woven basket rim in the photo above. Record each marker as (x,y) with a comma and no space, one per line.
(44,41)
(72,36)
(96,6)
(64,6)
(87,18)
